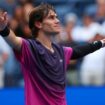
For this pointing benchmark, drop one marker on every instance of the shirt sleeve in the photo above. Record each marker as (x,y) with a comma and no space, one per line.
(24,53)
(67,54)
(82,50)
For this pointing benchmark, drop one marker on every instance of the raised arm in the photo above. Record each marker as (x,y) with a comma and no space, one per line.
(82,50)
(14,41)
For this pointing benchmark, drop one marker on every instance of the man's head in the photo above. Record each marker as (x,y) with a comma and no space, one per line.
(44,18)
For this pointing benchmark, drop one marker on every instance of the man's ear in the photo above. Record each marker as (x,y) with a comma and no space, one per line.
(38,24)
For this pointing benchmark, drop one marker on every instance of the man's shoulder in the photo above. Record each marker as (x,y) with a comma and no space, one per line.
(57,45)
(32,42)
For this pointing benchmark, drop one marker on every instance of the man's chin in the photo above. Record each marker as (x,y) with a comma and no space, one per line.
(56,33)
(53,33)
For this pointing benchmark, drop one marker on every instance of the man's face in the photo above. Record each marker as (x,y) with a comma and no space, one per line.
(51,24)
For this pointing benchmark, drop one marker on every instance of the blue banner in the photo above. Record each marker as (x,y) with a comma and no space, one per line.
(74,95)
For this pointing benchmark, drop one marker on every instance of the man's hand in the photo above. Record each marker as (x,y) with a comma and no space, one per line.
(3,20)
(14,41)
(103,42)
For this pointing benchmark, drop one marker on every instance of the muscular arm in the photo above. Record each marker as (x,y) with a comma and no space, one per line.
(82,50)
(14,41)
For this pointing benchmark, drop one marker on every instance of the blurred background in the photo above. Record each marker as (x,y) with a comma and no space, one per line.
(82,21)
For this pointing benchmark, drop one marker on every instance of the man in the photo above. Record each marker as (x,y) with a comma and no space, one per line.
(43,62)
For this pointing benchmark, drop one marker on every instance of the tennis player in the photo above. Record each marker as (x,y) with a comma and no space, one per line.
(43,62)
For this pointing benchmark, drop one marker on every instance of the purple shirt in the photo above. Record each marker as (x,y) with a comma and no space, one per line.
(44,72)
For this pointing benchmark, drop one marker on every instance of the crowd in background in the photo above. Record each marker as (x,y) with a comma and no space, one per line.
(82,21)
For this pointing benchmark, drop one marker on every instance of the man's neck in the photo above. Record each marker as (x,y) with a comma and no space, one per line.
(45,41)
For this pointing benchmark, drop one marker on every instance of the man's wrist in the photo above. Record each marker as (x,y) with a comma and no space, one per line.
(98,43)
(5,32)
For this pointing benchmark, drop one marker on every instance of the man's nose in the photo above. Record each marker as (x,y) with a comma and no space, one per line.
(57,20)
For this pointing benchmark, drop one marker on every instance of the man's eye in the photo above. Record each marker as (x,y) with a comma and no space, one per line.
(52,17)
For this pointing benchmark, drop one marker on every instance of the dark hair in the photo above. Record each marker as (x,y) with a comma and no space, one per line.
(38,14)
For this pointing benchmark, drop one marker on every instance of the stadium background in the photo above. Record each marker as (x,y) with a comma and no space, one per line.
(82,21)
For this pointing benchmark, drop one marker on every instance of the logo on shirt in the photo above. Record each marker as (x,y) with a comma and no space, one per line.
(61,60)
